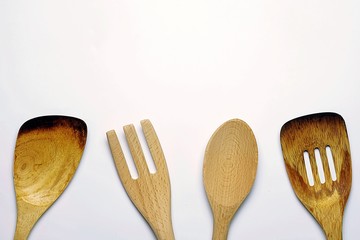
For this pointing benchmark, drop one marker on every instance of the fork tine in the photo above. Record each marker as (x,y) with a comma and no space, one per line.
(136,150)
(118,156)
(154,145)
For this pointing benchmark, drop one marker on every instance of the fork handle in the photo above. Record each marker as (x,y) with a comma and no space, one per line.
(165,233)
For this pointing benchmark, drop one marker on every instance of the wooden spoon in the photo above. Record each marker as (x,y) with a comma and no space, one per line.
(324,200)
(47,153)
(229,171)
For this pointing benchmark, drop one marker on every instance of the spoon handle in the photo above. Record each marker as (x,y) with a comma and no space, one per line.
(220,229)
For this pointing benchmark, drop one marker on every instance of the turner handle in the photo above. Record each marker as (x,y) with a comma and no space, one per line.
(331,220)
(333,230)
(334,236)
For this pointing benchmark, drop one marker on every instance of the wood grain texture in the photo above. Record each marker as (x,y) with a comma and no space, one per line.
(325,201)
(47,153)
(229,171)
(150,193)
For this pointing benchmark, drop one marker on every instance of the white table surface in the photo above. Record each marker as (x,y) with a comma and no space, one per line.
(188,66)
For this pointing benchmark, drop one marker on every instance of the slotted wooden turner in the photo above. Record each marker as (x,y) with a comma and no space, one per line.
(150,193)
(325,201)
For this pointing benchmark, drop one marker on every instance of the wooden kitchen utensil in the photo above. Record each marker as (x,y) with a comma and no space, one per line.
(324,199)
(229,170)
(150,192)
(47,153)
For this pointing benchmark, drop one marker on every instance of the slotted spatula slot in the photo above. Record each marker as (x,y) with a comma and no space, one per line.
(319,165)
(323,163)
(309,173)
(330,158)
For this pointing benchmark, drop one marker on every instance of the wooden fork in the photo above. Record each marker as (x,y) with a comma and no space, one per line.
(150,193)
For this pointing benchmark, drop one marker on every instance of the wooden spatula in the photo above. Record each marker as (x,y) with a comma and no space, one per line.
(229,172)
(325,199)
(150,193)
(48,151)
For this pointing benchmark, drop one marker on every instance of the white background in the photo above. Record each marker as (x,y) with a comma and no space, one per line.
(188,66)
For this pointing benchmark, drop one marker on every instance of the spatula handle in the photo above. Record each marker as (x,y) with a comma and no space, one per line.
(27,216)
(22,232)
(334,231)
(24,226)
(332,236)
(331,219)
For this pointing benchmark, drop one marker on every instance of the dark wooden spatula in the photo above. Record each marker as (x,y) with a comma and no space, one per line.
(47,153)
(326,195)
